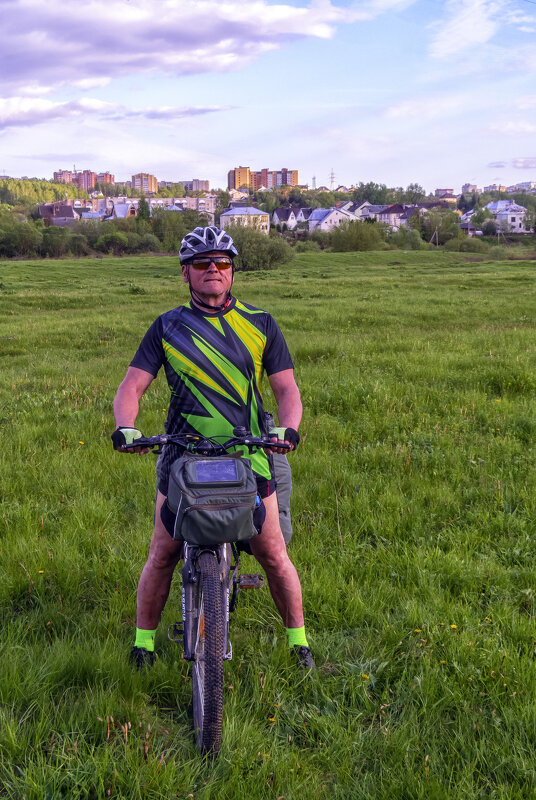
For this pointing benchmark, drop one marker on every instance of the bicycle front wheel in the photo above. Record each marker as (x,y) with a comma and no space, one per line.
(207,672)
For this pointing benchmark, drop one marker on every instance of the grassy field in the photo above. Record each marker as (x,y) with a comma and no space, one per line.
(414,517)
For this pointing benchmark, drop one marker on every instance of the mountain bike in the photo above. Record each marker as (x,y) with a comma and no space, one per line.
(208,475)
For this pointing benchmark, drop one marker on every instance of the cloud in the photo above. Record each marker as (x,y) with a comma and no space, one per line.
(514,127)
(527,102)
(104,39)
(497,165)
(16,111)
(524,163)
(469,23)
(92,83)
(428,108)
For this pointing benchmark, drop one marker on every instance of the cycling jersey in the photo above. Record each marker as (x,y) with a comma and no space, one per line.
(214,365)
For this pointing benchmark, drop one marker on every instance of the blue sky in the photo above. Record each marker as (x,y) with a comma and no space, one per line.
(438,92)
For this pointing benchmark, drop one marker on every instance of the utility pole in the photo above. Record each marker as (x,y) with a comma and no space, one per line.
(332,179)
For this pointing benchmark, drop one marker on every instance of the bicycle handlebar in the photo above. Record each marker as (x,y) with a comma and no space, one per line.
(207,446)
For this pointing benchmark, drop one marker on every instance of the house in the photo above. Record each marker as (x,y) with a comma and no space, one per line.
(303,214)
(285,216)
(59,214)
(395,215)
(123,211)
(509,216)
(326,219)
(248,216)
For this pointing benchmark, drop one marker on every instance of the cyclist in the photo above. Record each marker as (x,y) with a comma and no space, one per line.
(214,350)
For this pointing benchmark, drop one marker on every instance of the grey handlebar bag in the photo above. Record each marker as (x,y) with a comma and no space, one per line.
(214,499)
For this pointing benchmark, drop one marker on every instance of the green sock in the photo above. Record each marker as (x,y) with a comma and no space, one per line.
(296,636)
(145,639)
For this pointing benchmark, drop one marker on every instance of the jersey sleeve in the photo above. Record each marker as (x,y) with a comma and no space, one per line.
(276,356)
(150,354)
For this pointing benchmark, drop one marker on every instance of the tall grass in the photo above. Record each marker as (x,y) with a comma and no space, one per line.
(414,509)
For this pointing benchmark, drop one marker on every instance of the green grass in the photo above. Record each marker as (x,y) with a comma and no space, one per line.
(414,516)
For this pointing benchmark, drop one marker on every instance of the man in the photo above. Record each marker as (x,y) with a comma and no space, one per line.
(214,350)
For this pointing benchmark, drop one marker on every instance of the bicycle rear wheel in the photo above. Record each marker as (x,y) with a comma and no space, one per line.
(207,667)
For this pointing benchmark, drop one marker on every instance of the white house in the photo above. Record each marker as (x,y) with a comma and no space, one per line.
(248,216)
(509,216)
(326,219)
(285,216)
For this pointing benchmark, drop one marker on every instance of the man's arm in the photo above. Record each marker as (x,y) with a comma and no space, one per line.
(126,400)
(126,405)
(287,397)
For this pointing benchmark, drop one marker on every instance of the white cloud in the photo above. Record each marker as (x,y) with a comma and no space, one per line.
(92,83)
(524,163)
(514,127)
(469,24)
(29,111)
(428,108)
(527,102)
(103,39)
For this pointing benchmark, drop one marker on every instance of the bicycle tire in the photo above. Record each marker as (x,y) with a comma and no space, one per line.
(207,666)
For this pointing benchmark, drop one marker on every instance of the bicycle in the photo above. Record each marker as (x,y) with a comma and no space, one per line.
(211,579)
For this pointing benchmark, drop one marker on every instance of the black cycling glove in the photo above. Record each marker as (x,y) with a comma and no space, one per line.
(122,437)
(287,435)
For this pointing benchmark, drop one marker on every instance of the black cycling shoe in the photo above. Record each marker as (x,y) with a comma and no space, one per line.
(141,658)
(304,657)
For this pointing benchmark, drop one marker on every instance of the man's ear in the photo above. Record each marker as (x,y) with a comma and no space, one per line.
(185,273)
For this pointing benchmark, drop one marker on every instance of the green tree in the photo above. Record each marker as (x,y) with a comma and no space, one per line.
(356,235)
(144,212)
(445,222)
(257,251)
(489,227)
(113,241)
(55,242)
(375,193)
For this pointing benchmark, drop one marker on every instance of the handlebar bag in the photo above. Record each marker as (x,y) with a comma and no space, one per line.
(213,499)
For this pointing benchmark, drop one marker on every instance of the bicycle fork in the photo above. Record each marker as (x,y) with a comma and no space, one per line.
(191,601)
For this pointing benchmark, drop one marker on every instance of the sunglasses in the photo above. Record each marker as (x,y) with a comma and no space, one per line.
(220,262)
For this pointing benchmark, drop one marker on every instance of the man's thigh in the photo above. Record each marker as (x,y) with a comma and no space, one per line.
(162,545)
(269,542)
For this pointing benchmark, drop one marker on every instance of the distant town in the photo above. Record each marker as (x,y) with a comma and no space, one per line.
(268,201)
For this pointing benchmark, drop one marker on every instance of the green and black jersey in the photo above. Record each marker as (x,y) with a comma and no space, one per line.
(214,365)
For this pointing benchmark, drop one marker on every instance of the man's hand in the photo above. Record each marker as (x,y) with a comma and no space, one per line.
(287,435)
(122,437)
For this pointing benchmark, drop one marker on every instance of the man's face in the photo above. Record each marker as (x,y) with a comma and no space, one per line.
(209,281)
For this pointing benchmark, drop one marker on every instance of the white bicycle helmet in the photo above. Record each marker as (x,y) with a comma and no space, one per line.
(204,240)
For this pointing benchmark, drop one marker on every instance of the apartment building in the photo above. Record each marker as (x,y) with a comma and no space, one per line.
(105,177)
(63,176)
(261,179)
(196,185)
(85,180)
(146,183)
(237,177)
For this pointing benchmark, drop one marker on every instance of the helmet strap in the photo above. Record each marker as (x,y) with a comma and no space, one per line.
(204,306)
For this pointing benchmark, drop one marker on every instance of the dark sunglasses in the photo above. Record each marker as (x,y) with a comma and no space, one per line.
(220,262)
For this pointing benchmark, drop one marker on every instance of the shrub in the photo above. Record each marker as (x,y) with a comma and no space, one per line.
(113,241)
(356,235)
(307,247)
(149,243)
(78,244)
(258,251)
(406,239)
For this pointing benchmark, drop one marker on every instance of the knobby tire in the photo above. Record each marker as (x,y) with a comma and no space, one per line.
(207,673)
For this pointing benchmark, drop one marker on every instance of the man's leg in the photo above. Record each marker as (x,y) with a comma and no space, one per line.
(155,580)
(270,551)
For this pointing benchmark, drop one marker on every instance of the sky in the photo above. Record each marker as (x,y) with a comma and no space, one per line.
(435,92)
